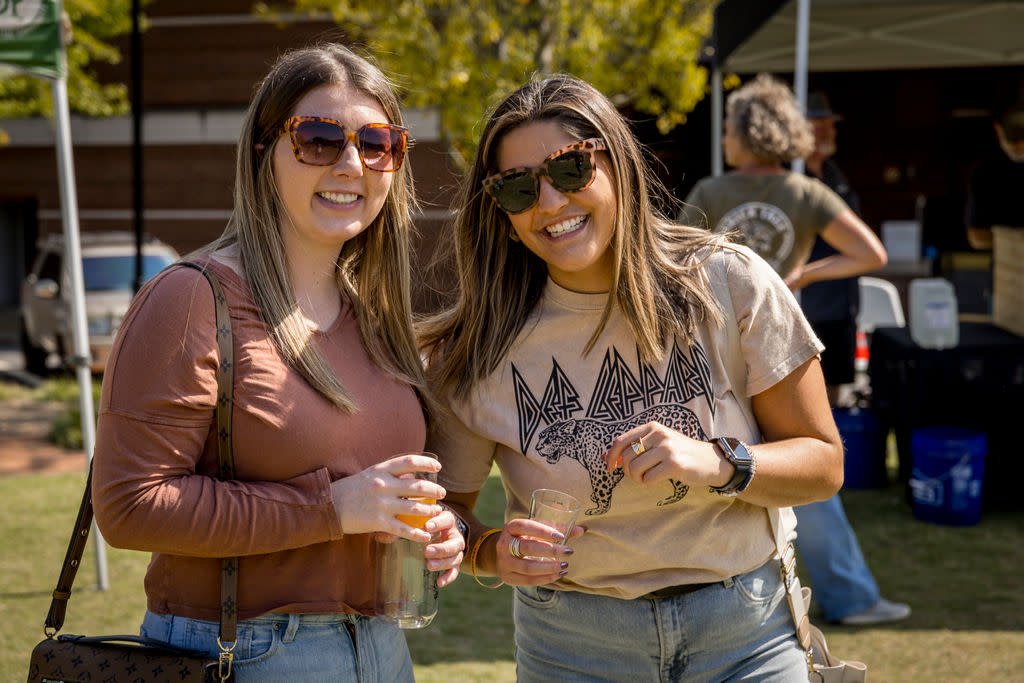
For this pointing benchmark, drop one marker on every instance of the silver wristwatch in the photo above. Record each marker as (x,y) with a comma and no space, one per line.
(741,457)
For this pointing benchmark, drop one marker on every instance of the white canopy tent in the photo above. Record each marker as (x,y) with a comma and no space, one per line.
(858,35)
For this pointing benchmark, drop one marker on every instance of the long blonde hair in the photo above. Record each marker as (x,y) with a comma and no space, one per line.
(655,280)
(373,269)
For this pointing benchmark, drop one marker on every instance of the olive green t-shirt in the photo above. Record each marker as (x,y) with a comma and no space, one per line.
(778,216)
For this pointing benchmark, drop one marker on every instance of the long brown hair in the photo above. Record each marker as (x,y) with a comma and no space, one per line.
(655,281)
(373,268)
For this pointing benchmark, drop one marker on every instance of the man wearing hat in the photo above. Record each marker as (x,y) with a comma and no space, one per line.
(844,587)
(831,305)
(995,185)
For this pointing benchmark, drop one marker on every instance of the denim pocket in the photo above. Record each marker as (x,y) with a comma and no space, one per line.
(264,641)
(537,596)
(253,644)
(761,585)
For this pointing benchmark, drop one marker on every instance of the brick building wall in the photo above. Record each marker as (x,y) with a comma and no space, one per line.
(200,63)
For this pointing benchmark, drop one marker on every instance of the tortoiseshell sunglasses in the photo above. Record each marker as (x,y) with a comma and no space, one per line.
(319,141)
(570,169)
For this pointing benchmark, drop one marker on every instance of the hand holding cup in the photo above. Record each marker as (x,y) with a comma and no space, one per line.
(556,509)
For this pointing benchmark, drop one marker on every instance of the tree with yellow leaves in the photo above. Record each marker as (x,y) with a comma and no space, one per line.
(462,56)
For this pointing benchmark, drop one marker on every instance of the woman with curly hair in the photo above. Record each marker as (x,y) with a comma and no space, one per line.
(774,211)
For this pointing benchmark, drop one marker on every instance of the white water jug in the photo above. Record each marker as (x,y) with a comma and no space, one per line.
(934,322)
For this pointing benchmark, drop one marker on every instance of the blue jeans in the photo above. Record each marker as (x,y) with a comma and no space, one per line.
(841,582)
(740,629)
(297,647)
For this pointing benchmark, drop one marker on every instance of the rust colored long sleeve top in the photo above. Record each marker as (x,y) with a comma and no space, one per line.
(155,467)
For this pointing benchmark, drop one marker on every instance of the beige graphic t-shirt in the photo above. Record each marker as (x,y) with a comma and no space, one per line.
(548,414)
(778,216)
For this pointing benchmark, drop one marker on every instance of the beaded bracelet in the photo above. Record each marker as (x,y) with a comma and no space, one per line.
(472,558)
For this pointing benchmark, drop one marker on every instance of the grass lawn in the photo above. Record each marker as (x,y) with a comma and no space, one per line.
(966,586)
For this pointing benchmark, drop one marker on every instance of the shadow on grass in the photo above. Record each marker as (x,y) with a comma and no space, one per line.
(954,577)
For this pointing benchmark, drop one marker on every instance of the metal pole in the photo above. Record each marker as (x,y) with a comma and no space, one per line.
(716,122)
(73,260)
(803,26)
(137,193)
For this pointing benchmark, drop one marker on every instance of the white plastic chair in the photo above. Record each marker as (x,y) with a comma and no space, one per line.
(879,305)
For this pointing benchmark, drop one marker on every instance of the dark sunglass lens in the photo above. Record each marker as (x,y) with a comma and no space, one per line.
(381,148)
(319,142)
(571,171)
(515,192)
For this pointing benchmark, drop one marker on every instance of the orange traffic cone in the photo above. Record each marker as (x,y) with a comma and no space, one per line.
(861,355)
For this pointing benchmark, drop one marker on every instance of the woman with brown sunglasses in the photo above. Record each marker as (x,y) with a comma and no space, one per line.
(659,374)
(329,394)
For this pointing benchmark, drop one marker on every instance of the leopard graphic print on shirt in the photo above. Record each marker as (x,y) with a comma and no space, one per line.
(587,440)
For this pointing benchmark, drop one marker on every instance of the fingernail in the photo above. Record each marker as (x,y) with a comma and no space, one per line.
(558,536)
(563,572)
(564,565)
(567,550)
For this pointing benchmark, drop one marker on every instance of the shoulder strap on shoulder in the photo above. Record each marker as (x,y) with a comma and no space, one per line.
(225,455)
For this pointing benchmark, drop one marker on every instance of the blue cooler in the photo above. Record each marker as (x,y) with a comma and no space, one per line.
(949,464)
(864,447)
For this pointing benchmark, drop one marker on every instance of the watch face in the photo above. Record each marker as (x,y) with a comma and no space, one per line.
(736,452)
(742,459)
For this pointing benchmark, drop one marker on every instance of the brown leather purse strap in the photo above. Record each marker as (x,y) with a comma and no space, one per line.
(225,455)
(72,560)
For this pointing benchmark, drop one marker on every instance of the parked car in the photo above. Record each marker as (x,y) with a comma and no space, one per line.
(108,268)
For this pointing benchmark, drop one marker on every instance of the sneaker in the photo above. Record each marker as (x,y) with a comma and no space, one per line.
(883,611)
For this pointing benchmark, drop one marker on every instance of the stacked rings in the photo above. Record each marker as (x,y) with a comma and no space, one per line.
(513,547)
(638,447)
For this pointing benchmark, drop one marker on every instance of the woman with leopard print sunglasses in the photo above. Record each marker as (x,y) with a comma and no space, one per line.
(596,347)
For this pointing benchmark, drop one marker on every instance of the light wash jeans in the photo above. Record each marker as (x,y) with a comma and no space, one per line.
(841,582)
(740,629)
(310,648)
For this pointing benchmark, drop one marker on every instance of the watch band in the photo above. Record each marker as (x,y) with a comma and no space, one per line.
(742,458)
(460,523)
(462,527)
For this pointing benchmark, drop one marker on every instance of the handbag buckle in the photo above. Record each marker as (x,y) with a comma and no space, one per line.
(224,660)
(788,566)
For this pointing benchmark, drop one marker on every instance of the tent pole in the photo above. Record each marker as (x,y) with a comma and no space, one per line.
(73,261)
(803,27)
(716,122)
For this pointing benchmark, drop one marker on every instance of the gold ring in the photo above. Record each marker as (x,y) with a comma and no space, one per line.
(513,547)
(638,447)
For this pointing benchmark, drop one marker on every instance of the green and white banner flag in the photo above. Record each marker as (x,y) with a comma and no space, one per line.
(30,36)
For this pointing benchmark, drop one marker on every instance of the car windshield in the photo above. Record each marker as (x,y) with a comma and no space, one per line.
(111,273)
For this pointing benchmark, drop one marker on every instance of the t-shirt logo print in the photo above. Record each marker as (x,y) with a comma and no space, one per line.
(765,228)
(618,394)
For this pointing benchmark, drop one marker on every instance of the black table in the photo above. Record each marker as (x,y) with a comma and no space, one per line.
(978,385)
